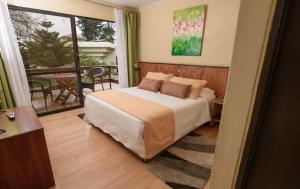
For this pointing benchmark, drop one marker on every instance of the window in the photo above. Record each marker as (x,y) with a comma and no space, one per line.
(58,52)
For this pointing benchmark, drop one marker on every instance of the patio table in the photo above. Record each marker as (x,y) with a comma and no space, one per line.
(66,82)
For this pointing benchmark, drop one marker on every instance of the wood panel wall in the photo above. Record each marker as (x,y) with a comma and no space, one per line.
(216,76)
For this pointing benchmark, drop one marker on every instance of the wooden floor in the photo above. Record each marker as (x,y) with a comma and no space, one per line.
(82,157)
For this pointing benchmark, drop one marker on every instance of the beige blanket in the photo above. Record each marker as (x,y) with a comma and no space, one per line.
(159,121)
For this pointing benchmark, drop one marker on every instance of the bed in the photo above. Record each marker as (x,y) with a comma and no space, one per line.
(129,130)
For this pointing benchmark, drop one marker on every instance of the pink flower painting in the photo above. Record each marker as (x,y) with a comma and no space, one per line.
(188,27)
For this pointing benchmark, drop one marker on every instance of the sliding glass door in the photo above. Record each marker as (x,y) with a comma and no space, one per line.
(97,50)
(47,42)
(65,57)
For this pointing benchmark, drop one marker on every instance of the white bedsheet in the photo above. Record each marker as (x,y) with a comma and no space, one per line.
(127,129)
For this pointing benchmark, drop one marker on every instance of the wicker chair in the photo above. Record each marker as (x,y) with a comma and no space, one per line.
(94,74)
(37,87)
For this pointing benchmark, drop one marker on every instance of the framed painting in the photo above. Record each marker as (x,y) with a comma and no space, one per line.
(188,29)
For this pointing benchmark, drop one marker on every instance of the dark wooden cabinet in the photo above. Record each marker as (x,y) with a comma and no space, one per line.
(24,158)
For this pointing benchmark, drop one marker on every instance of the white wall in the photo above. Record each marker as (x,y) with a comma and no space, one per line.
(74,7)
(156,32)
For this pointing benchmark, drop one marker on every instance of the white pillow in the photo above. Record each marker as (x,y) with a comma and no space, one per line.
(209,94)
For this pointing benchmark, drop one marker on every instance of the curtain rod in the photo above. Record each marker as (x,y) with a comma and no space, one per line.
(111,5)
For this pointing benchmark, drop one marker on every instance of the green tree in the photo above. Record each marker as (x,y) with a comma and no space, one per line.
(86,60)
(23,23)
(107,31)
(96,29)
(46,48)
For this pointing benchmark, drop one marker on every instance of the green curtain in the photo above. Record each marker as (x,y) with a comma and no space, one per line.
(6,97)
(132,46)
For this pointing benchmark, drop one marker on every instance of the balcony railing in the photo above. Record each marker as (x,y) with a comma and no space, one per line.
(110,69)
(110,76)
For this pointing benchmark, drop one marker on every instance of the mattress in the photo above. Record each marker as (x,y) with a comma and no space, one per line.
(127,129)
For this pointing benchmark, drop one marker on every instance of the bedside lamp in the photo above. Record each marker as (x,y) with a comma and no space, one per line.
(136,66)
(2,130)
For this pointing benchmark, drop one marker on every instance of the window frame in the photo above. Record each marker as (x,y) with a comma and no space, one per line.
(75,48)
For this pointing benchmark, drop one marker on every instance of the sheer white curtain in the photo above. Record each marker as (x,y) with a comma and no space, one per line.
(121,38)
(12,58)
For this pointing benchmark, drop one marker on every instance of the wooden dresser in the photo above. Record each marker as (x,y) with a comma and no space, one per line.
(24,158)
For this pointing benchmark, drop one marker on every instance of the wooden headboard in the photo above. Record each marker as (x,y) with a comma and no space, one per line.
(216,76)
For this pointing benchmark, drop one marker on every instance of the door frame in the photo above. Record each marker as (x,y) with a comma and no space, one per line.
(263,90)
(254,24)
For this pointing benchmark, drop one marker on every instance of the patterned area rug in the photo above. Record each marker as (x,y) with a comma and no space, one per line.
(186,164)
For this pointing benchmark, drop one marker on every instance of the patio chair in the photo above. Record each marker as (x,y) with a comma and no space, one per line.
(36,86)
(94,74)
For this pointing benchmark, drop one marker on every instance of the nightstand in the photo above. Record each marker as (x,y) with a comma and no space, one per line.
(216,111)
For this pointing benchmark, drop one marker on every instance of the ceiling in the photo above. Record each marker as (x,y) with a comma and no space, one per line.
(130,3)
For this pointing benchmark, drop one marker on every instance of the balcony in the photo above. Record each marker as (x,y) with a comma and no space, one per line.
(63,84)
